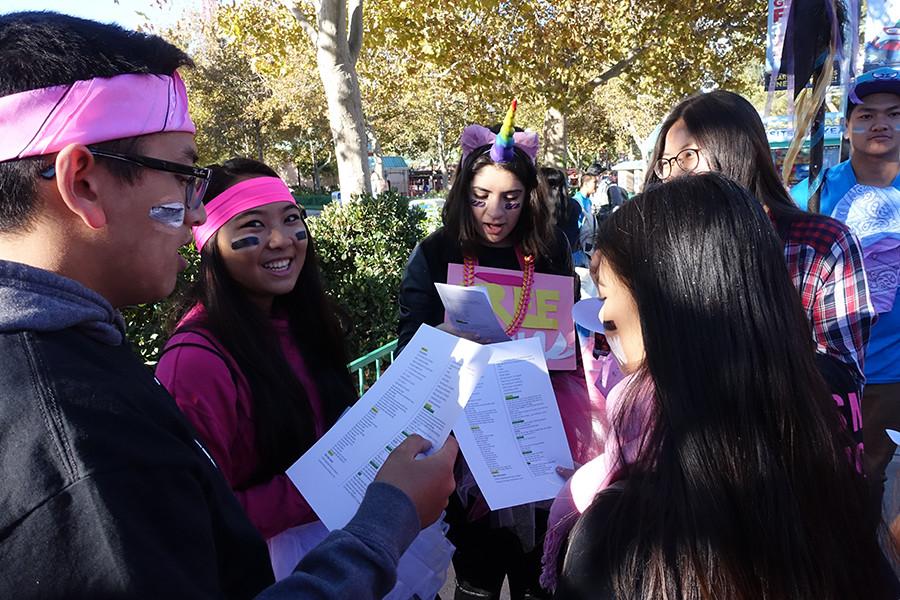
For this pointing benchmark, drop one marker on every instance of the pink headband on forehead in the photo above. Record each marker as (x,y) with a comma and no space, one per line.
(244,196)
(46,120)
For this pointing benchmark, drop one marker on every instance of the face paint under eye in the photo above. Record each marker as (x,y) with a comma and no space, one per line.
(245,242)
(300,235)
(170,214)
(477,203)
(858,129)
(512,205)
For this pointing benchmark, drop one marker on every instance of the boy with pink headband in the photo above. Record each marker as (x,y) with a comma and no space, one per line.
(107,491)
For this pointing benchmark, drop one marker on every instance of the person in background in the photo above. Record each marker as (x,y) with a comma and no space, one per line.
(721,131)
(587,222)
(566,209)
(864,193)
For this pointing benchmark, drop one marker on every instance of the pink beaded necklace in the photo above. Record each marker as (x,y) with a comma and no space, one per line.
(469,264)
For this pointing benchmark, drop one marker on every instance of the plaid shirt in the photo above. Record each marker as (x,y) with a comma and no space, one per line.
(825,262)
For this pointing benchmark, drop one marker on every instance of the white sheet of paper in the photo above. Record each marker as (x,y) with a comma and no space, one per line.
(424,391)
(511,432)
(469,310)
(894,435)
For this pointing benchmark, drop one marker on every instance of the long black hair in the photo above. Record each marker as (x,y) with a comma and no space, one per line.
(535,230)
(557,194)
(282,415)
(742,487)
(733,140)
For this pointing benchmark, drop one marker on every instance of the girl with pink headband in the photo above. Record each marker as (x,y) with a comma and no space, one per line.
(258,363)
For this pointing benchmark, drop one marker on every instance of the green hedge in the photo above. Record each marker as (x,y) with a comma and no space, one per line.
(363,247)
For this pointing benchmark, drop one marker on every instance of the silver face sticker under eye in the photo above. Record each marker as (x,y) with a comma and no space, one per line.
(170,213)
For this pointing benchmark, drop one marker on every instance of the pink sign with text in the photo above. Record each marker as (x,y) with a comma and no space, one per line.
(549,315)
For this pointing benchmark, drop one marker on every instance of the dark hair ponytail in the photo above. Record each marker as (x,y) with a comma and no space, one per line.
(742,488)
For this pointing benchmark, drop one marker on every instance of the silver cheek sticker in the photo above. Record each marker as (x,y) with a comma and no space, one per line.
(171,213)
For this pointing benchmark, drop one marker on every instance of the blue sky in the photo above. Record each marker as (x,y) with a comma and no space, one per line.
(125,12)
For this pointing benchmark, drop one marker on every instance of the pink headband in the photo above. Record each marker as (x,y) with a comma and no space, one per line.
(244,196)
(46,120)
(475,136)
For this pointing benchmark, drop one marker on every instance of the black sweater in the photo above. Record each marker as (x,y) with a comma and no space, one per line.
(419,300)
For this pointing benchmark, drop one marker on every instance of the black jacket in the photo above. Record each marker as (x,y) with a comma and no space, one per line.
(419,300)
(105,488)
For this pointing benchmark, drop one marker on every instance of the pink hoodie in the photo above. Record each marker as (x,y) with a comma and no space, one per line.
(221,410)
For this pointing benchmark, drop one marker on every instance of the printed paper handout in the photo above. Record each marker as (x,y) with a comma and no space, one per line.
(511,433)
(424,392)
(469,311)
(549,314)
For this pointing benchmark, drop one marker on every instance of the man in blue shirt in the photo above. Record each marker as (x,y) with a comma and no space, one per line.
(864,193)
(581,253)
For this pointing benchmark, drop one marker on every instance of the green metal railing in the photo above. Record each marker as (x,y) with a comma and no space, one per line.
(376,358)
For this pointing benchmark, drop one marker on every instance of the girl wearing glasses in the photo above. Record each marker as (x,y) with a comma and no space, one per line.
(741,486)
(496,215)
(721,131)
(257,363)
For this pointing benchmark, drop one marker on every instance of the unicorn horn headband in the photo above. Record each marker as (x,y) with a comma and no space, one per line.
(503,149)
(503,144)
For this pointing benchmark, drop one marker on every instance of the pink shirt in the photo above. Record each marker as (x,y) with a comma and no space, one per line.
(221,410)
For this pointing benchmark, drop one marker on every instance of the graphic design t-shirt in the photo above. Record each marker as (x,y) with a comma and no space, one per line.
(873,214)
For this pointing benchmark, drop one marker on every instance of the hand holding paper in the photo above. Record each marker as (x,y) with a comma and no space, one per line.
(469,311)
(427,481)
(423,392)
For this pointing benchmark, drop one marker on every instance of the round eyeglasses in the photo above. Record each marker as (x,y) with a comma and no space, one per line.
(687,160)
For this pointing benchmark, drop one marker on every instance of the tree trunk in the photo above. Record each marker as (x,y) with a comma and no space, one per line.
(257,131)
(555,154)
(345,116)
(337,51)
(442,150)
(315,166)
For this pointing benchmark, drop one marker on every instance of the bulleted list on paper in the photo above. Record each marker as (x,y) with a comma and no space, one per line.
(423,392)
(511,433)
(389,409)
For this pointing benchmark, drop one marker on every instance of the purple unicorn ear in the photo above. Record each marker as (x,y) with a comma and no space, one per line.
(504,146)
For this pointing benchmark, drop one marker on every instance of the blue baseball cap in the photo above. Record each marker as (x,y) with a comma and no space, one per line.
(882,80)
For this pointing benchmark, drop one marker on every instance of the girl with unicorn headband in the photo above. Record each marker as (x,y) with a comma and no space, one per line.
(498,232)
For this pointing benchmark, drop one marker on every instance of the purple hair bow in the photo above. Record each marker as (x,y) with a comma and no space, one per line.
(475,136)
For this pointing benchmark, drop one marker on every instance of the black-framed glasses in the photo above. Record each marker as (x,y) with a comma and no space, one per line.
(687,160)
(198,177)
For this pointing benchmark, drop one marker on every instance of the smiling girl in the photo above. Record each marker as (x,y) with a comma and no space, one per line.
(496,215)
(257,363)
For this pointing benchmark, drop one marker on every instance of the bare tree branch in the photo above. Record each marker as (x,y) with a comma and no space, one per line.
(355,38)
(301,18)
(616,69)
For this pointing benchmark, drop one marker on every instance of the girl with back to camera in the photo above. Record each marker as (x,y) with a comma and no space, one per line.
(721,131)
(496,215)
(741,487)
